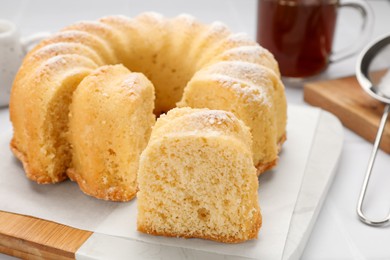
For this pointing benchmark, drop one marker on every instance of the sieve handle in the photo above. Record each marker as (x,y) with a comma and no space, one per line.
(378,138)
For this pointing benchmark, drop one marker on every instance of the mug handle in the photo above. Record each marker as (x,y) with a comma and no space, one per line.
(368,22)
(30,41)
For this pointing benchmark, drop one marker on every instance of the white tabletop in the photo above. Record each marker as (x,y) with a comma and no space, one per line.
(338,234)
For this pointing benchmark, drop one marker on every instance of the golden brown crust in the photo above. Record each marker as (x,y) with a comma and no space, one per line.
(263,167)
(102,193)
(230,239)
(30,173)
(281,142)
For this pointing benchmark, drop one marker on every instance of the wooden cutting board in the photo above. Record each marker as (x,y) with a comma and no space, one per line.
(31,238)
(351,104)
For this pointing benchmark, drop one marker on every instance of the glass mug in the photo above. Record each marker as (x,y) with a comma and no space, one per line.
(299,33)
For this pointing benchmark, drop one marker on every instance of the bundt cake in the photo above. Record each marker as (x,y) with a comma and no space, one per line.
(197,178)
(110,120)
(211,66)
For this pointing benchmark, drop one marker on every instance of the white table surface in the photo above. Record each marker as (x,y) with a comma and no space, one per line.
(338,234)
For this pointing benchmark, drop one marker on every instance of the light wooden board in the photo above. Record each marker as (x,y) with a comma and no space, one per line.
(31,238)
(355,108)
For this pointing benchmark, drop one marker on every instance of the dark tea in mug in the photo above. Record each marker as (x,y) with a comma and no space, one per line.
(298,32)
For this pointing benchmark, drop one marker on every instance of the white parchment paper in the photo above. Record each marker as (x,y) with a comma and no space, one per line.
(66,204)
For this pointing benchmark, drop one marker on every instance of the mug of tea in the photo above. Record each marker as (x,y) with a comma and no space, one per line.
(300,33)
(12,50)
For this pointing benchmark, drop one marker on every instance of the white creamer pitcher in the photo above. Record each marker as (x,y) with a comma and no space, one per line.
(12,50)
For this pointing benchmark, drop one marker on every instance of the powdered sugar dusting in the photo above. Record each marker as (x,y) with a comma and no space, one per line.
(252,53)
(76,36)
(90,26)
(200,122)
(63,48)
(243,89)
(217,117)
(248,80)
(60,66)
(240,38)
(52,64)
(130,81)
(251,49)
(58,47)
(217,27)
(131,85)
(118,18)
(187,18)
(247,71)
(151,18)
(153,15)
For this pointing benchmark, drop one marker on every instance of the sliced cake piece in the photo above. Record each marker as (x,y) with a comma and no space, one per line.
(111,117)
(197,178)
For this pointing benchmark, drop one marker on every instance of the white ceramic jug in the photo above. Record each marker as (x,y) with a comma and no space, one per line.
(12,50)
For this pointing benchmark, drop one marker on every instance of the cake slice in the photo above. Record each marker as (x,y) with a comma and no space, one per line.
(197,178)
(111,117)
